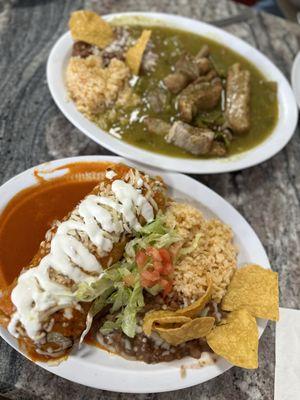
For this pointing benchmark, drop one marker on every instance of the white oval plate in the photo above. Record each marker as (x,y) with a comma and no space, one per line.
(295,77)
(283,131)
(93,367)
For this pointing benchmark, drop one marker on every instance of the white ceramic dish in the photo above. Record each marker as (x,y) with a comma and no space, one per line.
(282,133)
(93,367)
(295,78)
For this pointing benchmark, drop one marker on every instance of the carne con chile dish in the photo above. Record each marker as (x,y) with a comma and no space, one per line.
(138,273)
(167,90)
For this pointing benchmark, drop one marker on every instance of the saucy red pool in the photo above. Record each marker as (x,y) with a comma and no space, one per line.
(31,212)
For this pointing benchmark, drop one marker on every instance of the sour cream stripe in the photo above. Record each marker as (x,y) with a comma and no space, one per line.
(103,219)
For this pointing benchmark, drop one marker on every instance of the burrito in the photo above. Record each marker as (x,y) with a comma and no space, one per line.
(42,308)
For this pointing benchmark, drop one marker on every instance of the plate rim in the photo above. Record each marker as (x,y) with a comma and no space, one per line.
(295,66)
(73,366)
(287,122)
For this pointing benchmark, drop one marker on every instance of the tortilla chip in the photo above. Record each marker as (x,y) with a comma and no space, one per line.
(236,339)
(255,289)
(194,309)
(89,27)
(180,315)
(171,320)
(193,329)
(135,53)
(161,317)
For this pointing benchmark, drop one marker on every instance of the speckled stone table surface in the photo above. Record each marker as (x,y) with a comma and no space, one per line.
(32,130)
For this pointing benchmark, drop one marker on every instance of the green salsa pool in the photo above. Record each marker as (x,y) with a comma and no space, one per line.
(169,44)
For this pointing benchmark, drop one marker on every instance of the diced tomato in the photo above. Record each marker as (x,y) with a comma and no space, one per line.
(167,286)
(168,269)
(151,275)
(141,258)
(158,266)
(165,255)
(155,266)
(154,253)
(149,278)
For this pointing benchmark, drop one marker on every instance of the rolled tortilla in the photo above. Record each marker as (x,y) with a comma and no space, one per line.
(40,308)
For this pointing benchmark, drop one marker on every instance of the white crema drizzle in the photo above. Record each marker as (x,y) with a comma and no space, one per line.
(103,219)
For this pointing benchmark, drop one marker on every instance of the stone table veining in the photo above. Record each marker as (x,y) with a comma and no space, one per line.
(32,130)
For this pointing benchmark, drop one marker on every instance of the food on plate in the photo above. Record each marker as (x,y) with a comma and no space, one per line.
(236,339)
(167,90)
(193,139)
(41,307)
(134,54)
(194,329)
(155,318)
(256,290)
(94,88)
(238,99)
(88,27)
(138,273)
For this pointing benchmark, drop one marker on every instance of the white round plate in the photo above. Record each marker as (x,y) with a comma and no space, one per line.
(283,131)
(295,77)
(97,368)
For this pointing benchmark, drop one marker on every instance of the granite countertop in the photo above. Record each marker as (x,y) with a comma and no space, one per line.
(32,130)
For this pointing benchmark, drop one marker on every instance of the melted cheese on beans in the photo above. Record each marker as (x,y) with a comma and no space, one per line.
(103,220)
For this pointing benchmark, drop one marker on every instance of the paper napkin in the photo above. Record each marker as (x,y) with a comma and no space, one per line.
(287,368)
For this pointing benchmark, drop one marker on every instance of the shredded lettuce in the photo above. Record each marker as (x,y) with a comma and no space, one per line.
(111,289)
(119,298)
(89,292)
(135,304)
(154,290)
(157,226)
(110,326)
(155,234)
(126,319)
(88,325)
(98,304)
(195,243)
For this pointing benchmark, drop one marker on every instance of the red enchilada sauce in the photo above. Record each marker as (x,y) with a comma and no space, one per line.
(27,217)
(23,224)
